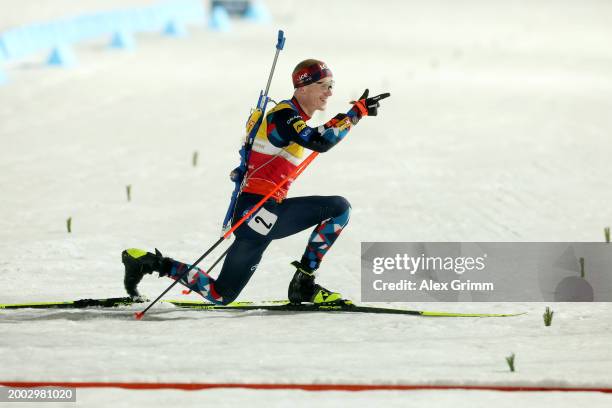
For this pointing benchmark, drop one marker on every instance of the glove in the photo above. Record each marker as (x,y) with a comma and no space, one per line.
(340,121)
(369,106)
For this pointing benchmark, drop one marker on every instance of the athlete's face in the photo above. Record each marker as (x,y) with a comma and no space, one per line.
(317,93)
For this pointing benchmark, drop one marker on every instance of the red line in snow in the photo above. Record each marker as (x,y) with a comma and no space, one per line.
(305,387)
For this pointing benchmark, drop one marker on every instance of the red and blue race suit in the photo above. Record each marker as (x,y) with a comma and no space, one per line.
(278,148)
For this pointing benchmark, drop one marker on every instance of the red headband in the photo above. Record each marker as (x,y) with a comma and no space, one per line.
(311,74)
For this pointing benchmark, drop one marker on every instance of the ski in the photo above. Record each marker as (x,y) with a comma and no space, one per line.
(345,306)
(270,305)
(75,304)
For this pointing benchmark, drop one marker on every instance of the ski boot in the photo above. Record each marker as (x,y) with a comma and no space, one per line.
(138,262)
(303,288)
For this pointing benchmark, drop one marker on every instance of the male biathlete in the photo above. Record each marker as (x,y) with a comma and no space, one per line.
(278,149)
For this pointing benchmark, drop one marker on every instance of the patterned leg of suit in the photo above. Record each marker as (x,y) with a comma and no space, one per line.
(322,238)
(196,280)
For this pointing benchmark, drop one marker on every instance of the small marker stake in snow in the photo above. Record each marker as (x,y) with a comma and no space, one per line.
(510,361)
(548,316)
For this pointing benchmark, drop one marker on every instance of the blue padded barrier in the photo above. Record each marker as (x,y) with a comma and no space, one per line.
(23,41)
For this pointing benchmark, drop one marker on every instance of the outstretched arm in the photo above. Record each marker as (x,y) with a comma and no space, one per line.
(287,126)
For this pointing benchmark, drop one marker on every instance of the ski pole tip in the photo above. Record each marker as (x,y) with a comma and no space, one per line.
(281,40)
(138,315)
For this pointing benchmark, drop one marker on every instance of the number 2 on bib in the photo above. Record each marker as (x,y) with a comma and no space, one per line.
(263,221)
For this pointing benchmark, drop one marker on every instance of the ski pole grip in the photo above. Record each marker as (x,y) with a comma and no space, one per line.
(281,40)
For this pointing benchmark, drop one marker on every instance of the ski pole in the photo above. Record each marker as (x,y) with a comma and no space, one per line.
(292,176)
(210,268)
(186,292)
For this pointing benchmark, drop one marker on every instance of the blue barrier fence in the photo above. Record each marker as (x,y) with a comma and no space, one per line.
(22,41)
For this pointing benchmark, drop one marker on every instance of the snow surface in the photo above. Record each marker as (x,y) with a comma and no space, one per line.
(497,130)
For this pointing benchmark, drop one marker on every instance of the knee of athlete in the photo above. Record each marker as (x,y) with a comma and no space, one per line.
(342,208)
(221,295)
(226,297)
(227,300)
